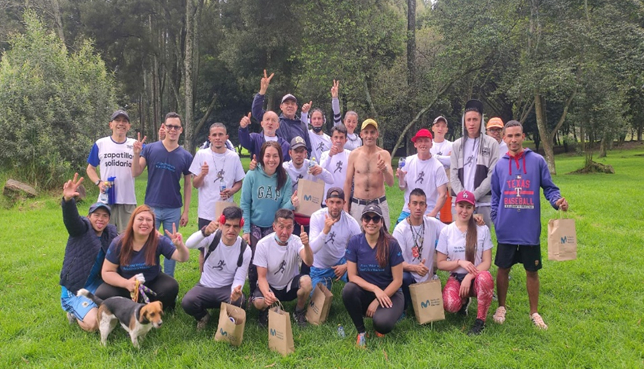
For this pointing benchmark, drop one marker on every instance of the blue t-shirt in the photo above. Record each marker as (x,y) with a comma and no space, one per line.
(137,262)
(165,169)
(359,252)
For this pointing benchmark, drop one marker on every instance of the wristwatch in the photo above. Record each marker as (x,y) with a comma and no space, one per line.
(98,181)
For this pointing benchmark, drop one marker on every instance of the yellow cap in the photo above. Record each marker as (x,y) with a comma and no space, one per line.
(369,122)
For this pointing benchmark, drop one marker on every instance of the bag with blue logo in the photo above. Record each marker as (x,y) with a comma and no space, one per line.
(232,320)
(280,333)
(310,195)
(562,239)
(427,300)
(320,305)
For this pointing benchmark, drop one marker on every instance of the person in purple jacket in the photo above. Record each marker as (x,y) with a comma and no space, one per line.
(253,141)
(516,214)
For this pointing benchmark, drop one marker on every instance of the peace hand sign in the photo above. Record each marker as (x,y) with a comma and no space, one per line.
(70,188)
(335,88)
(266,81)
(138,144)
(176,237)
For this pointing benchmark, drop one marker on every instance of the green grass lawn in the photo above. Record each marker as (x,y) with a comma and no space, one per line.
(593,305)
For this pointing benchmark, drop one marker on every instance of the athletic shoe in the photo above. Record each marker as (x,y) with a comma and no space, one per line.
(263,318)
(300,317)
(201,323)
(477,328)
(538,321)
(379,335)
(464,308)
(361,340)
(71,318)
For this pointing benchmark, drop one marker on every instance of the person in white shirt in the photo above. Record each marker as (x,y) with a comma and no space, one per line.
(331,228)
(353,140)
(320,141)
(417,236)
(494,129)
(336,160)
(277,258)
(465,249)
(217,174)
(423,171)
(222,276)
(441,150)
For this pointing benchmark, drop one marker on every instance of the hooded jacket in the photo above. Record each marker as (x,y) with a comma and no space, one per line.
(289,128)
(516,210)
(260,198)
(486,159)
(253,143)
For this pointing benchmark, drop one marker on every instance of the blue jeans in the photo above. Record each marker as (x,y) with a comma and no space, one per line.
(408,280)
(326,276)
(167,216)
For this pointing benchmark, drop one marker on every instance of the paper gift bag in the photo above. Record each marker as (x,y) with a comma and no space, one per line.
(310,195)
(280,333)
(232,321)
(427,300)
(562,239)
(320,305)
(220,206)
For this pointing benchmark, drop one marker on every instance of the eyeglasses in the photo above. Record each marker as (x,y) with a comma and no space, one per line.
(171,127)
(368,218)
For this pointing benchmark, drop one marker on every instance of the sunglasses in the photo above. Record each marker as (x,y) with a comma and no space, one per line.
(367,218)
(171,127)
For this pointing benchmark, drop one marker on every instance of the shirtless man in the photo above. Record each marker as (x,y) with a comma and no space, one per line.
(368,170)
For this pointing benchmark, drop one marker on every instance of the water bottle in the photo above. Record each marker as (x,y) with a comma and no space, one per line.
(341,331)
(222,187)
(103,197)
(312,163)
(111,191)
(401,162)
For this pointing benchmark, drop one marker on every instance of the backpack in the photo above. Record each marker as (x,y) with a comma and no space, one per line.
(215,243)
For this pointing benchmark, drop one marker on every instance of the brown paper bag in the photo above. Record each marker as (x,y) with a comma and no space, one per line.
(231,330)
(280,333)
(427,300)
(220,206)
(320,305)
(562,239)
(310,195)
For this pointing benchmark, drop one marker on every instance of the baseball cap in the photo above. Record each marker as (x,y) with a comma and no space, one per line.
(99,205)
(424,132)
(439,118)
(466,196)
(372,208)
(474,105)
(335,192)
(495,122)
(120,112)
(289,97)
(369,122)
(297,142)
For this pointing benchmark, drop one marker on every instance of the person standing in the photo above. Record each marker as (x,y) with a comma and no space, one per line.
(494,129)
(253,141)
(336,159)
(441,147)
(473,159)
(353,140)
(166,162)
(320,141)
(113,155)
(516,213)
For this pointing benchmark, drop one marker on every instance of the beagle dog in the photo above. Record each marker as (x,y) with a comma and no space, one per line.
(137,319)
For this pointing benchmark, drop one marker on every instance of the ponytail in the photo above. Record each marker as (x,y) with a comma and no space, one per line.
(470,240)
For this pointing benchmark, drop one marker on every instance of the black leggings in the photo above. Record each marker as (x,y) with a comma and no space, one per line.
(356,301)
(166,288)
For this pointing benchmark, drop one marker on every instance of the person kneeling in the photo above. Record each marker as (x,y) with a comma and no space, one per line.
(374,265)
(468,248)
(136,251)
(224,268)
(277,259)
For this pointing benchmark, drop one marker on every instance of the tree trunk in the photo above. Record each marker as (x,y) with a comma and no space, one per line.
(55,7)
(411,44)
(542,125)
(187,72)
(602,146)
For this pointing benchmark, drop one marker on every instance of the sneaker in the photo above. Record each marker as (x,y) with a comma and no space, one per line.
(361,340)
(201,323)
(71,318)
(263,318)
(300,317)
(538,321)
(464,308)
(499,316)
(379,335)
(477,328)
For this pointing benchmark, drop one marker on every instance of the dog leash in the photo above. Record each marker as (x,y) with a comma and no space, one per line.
(142,290)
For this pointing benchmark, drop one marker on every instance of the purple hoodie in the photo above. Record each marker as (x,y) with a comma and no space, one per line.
(516,210)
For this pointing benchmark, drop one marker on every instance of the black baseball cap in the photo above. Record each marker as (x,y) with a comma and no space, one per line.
(100,205)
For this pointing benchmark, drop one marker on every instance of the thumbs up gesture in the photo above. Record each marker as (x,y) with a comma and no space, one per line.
(381,164)
(253,163)
(421,269)
(204,169)
(295,200)
(245,121)
(304,237)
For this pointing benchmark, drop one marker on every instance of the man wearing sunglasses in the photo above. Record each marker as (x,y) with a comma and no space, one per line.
(166,162)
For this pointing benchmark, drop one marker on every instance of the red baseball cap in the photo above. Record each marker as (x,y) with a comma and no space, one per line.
(466,196)
(422,133)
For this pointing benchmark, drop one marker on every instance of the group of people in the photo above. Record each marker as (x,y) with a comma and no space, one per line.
(115,250)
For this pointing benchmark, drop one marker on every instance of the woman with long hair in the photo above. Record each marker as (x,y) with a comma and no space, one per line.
(137,251)
(374,267)
(465,250)
(266,189)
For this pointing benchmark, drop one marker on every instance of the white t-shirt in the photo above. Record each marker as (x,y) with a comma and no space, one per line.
(319,144)
(503,149)
(442,152)
(469,162)
(353,141)
(223,169)
(220,269)
(270,138)
(418,242)
(330,248)
(116,161)
(452,243)
(303,172)
(337,166)
(427,175)
(282,262)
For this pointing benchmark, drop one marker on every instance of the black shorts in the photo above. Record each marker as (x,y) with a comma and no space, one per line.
(289,293)
(528,255)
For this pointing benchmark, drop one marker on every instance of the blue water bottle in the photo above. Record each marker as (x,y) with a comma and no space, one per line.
(401,162)
(341,331)
(111,191)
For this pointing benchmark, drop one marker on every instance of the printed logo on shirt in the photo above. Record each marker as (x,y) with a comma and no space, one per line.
(220,266)
(519,194)
(115,162)
(282,268)
(220,175)
(268,193)
(338,166)
(321,147)
(331,238)
(421,177)
(166,166)
(485,151)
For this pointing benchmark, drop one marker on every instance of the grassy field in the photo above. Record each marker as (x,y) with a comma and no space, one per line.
(593,305)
